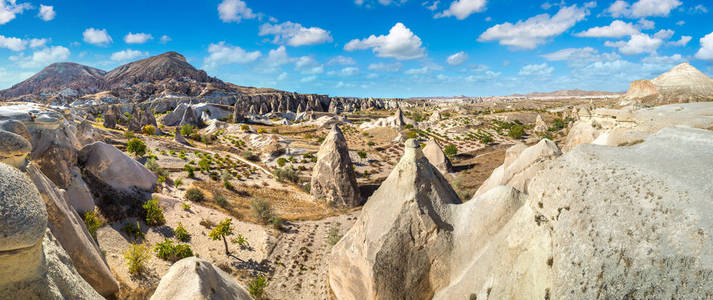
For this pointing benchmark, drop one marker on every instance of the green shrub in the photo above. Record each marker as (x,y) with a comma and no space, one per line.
(262,210)
(276,222)
(181,233)
(136,147)
(450,150)
(92,222)
(186,130)
(286,174)
(241,241)
(281,162)
(190,170)
(178,182)
(186,206)
(557,124)
(516,131)
(166,250)
(220,200)
(195,195)
(129,134)
(244,127)
(333,236)
(204,164)
(136,256)
(154,213)
(149,130)
(361,154)
(133,230)
(256,287)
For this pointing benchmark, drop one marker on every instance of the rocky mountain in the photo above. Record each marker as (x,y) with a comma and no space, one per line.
(169,65)
(683,83)
(69,79)
(568,93)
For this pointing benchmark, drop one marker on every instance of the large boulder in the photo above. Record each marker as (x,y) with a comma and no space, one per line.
(436,157)
(521,164)
(16,127)
(78,193)
(195,278)
(69,229)
(32,264)
(111,166)
(13,149)
(333,178)
(398,248)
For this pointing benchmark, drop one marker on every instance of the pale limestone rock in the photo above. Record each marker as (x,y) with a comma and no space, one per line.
(436,157)
(24,217)
(195,278)
(113,167)
(78,193)
(13,149)
(540,125)
(333,178)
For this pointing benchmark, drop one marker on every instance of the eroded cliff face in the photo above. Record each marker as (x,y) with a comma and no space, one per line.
(683,83)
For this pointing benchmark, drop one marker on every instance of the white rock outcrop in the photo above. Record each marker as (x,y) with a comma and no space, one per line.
(436,157)
(333,177)
(195,278)
(116,169)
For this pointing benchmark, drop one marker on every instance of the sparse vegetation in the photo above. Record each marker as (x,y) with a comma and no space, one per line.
(256,287)
(450,150)
(220,200)
(169,251)
(333,236)
(133,230)
(153,212)
(181,233)
(221,231)
(186,130)
(136,147)
(262,210)
(136,257)
(149,130)
(195,195)
(516,131)
(93,222)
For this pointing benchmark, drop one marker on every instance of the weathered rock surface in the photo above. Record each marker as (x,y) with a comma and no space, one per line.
(520,166)
(13,149)
(195,278)
(78,193)
(178,137)
(540,125)
(683,83)
(116,169)
(436,157)
(69,229)
(397,120)
(16,127)
(333,178)
(398,248)
(32,264)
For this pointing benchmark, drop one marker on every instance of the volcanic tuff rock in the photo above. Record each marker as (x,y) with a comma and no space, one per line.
(13,149)
(195,278)
(540,125)
(683,83)
(32,264)
(333,178)
(436,157)
(114,168)
(155,68)
(16,127)
(57,77)
(398,248)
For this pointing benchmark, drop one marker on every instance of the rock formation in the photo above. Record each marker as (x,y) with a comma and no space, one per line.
(179,137)
(436,157)
(13,149)
(683,83)
(333,178)
(111,117)
(397,120)
(195,278)
(540,125)
(398,247)
(16,127)
(32,264)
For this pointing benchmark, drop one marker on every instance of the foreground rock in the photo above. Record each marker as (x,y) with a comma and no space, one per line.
(114,168)
(436,157)
(13,149)
(33,265)
(635,216)
(195,278)
(398,248)
(333,178)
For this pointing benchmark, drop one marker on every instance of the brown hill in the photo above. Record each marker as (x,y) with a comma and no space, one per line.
(170,65)
(58,77)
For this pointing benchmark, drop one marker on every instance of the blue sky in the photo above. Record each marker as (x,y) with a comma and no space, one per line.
(380,48)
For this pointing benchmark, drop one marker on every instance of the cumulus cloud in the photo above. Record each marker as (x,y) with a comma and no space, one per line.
(400,43)
(664,34)
(536,70)
(646,24)
(461,9)
(42,57)
(12,43)
(457,58)
(418,71)
(276,58)
(341,60)
(536,30)
(128,54)
(700,9)
(10,8)
(46,12)
(137,38)
(383,67)
(165,39)
(295,34)
(368,3)
(637,44)
(643,8)
(706,51)
(682,42)
(578,57)
(35,43)
(223,54)
(432,6)
(97,37)
(234,11)
(614,30)
(485,75)
(308,65)
(345,72)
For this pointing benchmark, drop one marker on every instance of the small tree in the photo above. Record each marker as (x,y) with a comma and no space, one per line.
(186,130)
(281,162)
(136,146)
(154,213)
(149,130)
(221,231)
(516,131)
(450,150)
(195,195)
(261,209)
(136,256)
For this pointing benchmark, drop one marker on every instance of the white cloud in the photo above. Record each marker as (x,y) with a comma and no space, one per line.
(664,34)
(681,23)
(483,76)
(309,78)
(137,38)
(282,76)
(578,57)
(432,6)
(10,8)
(12,43)
(127,54)
(643,8)
(42,58)
(637,44)
(706,51)
(223,54)
(46,12)
(295,34)
(165,39)
(646,24)
(418,71)
(700,9)
(457,59)
(614,30)
(382,2)
(97,37)
(682,42)
(348,71)
(234,11)
(341,60)
(308,65)
(535,30)
(383,67)
(276,58)
(536,70)
(400,43)
(461,9)
(36,43)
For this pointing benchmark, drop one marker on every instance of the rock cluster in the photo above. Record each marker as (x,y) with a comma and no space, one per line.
(195,278)
(333,178)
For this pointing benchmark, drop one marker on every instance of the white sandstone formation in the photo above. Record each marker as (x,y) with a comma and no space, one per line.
(540,125)
(333,177)
(683,83)
(436,157)
(111,166)
(13,149)
(397,121)
(195,278)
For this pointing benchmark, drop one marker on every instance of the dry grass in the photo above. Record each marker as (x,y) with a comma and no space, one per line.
(479,169)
